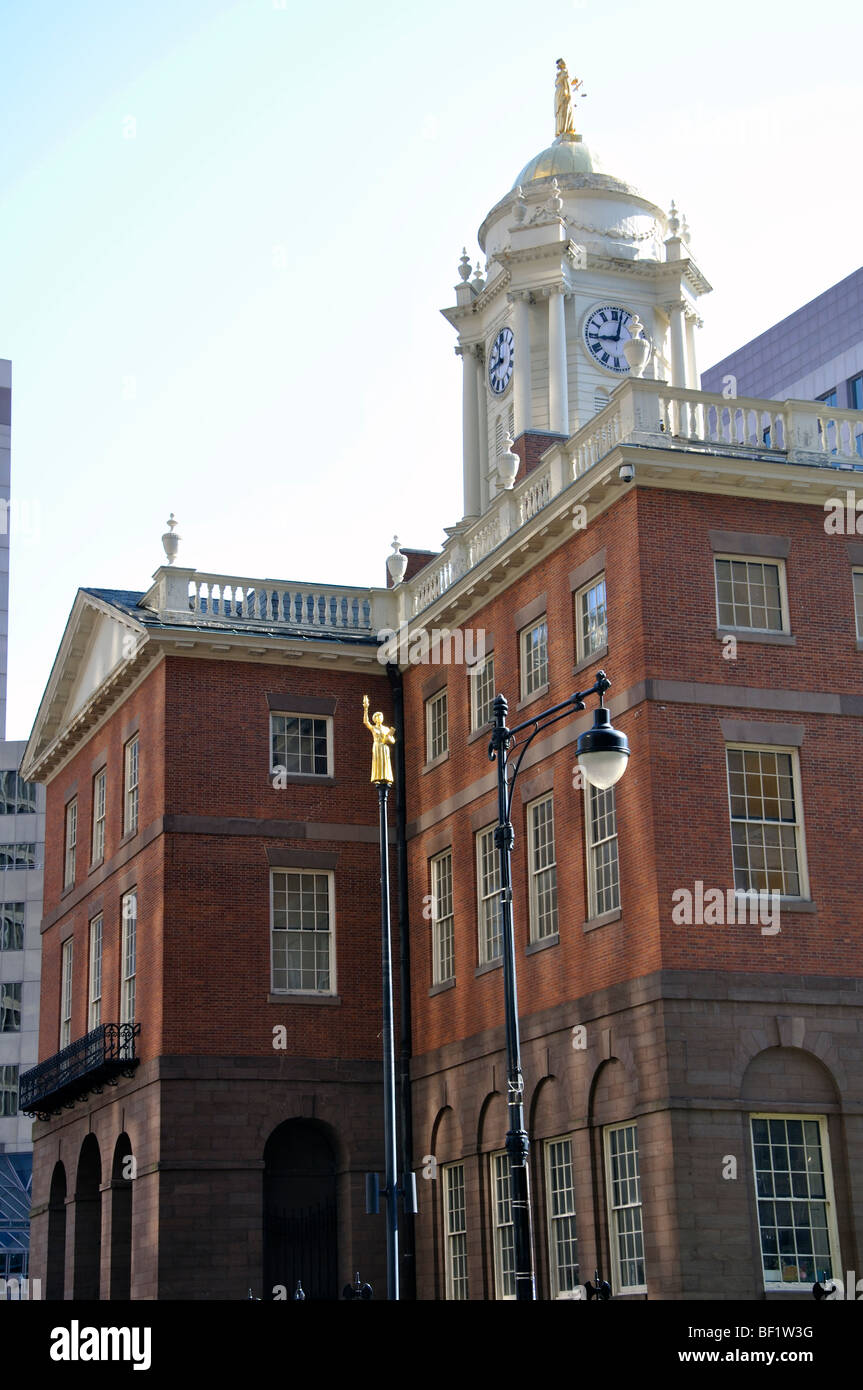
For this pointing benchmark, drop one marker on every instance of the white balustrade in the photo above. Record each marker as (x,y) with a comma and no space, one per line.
(280,604)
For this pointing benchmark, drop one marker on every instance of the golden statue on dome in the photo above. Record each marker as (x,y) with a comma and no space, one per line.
(564,119)
(382,770)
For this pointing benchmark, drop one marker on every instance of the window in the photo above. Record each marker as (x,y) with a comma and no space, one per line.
(534,659)
(456,1231)
(543,869)
(829,398)
(488,889)
(591,626)
(750,594)
(624,1197)
(130,783)
(302,931)
(562,1235)
(481,678)
(302,744)
(8,1091)
(17,857)
(857,577)
(794,1196)
(71,842)
(128,946)
(66,995)
(12,926)
(855,393)
(603,871)
(766,833)
(98,844)
(94,1008)
(17,797)
(443,948)
(503,1230)
(437,741)
(10,1007)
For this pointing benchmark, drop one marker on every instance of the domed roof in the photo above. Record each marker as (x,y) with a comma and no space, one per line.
(567,155)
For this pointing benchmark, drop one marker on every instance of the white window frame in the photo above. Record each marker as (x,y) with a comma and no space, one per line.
(829,1198)
(613,1222)
(128,955)
(457,1286)
(501,1181)
(857,588)
(530,685)
(71,843)
(583,653)
(802,866)
(536,871)
(94,986)
(593,908)
(66,981)
(131,769)
(294,714)
(443,923)
(487,896)
(779,564)
(553,1218)
(329,874)
(437,744)
(100,795)
(481,676)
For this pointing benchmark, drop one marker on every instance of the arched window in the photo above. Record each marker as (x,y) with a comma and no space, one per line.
(55,1273)
(122,1173)
(88,1221)
(300,1210)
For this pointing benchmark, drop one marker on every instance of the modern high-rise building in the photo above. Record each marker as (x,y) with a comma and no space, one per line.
(687,944)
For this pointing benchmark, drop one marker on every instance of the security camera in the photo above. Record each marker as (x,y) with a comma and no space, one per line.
(626,472)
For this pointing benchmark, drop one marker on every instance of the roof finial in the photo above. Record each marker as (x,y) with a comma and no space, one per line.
(464,265)
(564,120)
(170,541)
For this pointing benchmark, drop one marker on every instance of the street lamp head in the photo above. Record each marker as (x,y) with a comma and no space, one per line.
(603,751)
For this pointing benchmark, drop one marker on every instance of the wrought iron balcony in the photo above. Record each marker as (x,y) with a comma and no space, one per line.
(87,1065)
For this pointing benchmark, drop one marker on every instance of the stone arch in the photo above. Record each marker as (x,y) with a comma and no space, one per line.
(122,1184)
(88,1221)
(55,1268)
(300,1209)
(789,1076)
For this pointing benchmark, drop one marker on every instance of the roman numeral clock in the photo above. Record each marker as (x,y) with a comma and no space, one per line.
(605,330)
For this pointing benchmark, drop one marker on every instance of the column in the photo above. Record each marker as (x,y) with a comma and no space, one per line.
(692,322)
(470,429)
(678,344)
(521,371)
(482,427)
(558,392)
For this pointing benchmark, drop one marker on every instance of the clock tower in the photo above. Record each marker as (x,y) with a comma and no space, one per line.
(579,265)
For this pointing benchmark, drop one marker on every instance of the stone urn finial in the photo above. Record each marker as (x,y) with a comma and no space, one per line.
(171,542)
(636,349)
(673,219)
(520,205)
(397,563)
(508,464)
(555,202)
(464,265)
(478,281)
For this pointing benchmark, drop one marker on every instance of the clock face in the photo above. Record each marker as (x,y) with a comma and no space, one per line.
(605,332)
(500,361)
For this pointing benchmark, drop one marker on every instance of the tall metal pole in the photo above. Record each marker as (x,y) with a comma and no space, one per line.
(517,1143)
(391,1171)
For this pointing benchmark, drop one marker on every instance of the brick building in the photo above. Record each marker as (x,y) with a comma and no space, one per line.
(692,1057)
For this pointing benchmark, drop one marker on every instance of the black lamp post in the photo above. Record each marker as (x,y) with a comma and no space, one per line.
(602,755)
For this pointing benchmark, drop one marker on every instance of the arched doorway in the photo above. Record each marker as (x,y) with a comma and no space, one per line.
(55,1269)
(88,1220)
(300,1210)
(121,1219)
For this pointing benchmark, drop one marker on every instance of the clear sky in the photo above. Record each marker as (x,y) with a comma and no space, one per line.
(227,230)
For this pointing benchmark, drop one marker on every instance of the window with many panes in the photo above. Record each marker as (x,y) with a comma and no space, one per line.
(10,1006)
(437,734)
(503,1231)
(766,827)
(66,994)
(302,931)
(8,1091)
(481,678)
(456,1231)
(534,658)
(94,1006)
(130,786)
(560,1209)
(443,936)
(98,837)
(603,869)
(624,1209)
(793,1191)
(12,921)
(857,580)
(17,797)
(71,843)
(543,868)
(488,899)
(302,744)
(591,621)
(128,955)
(750,594)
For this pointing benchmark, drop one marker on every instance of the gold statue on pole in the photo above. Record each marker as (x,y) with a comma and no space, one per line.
(564,119)
(383,736)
